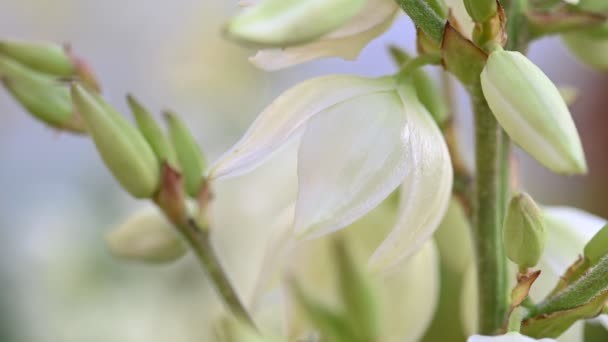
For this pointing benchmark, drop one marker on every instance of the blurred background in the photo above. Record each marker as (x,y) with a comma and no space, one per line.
(58,281)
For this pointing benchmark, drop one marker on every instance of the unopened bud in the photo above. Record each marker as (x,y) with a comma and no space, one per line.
(280,23)
(44,57)
(532,111)
(524,232)
(43,96)
(597,247)
(191,160)
(154,135)
(146,236)
(122,147)
(481,10)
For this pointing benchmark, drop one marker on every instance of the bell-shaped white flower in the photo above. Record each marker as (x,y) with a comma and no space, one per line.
(509,337)
(359,139)
(345,42)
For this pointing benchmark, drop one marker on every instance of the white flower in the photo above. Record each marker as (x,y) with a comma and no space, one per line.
(346,42)
(509,337)
(359,139)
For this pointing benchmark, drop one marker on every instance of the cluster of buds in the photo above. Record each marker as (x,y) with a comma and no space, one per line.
(36,75)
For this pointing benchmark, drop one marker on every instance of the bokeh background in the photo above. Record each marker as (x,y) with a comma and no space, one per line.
(57,280)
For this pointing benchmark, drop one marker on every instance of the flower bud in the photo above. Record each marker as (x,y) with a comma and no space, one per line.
(523,232)
(146,236)
(122,147)
(532,111)
(280,23)
(597,247)
(154,135)
(191,159)
(589,48)
(44,57)
(44,97)
(481,10)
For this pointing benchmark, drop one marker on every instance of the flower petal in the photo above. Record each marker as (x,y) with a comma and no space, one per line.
(568,230)
(346,42)
(352,156)
(508,337)
(426,190)
(287,114)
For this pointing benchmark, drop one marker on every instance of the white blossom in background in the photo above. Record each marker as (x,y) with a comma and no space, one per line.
(359,139)
(345,41)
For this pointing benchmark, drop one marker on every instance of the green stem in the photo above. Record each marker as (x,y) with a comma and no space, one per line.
(515,319)
(490,256)
(581,292)
(424,17)
(504,178)
(199,241)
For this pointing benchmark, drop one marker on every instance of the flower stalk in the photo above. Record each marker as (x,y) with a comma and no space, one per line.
(490,255)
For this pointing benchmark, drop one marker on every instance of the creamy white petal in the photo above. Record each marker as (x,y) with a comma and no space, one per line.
(568,230)
(346,42)
(287,114)
(509,337)
(425,191)
(352,156)
(411,295)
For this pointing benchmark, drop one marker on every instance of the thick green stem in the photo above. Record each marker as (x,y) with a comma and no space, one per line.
(424,17)
(201,245)
(504,178)
(490,256)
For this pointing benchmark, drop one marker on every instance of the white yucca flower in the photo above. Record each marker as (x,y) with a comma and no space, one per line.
(359,139)
(359,23)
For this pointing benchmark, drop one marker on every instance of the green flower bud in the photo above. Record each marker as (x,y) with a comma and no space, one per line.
(597,247)
(481,10)
(191,159)
(44,57)
(280,23)
(532,111)
(43,96)
(122,147)
(146,236)
(524,232)
(589,48)
(153,133)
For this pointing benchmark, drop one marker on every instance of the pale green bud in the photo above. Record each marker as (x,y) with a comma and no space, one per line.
(280,23)
(44,57)
(153,133)
(122,147)
(532,111)
(43,96)
(524,233)
(481,10)
(146,236)
(191,159)
(597,247)
(589,48)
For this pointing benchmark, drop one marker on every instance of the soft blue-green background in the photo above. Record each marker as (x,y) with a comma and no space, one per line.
(58,283)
